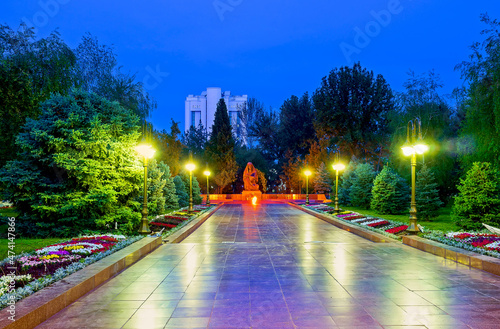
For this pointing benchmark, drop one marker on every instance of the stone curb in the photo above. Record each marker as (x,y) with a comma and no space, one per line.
(369,235)
(184,232)
(36,308)
(465,257)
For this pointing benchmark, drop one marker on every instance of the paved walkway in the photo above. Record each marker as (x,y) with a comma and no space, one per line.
(272,266)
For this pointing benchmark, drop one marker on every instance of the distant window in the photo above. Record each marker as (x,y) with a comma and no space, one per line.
(195,118)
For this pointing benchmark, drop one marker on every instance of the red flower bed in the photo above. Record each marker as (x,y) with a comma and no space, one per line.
(175,217)
(397,229)
(377,224)
(353,217)
(162,224)
(463,236)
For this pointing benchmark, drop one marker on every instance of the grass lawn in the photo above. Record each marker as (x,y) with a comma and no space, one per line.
(11,212)
(25,245)
(442,223)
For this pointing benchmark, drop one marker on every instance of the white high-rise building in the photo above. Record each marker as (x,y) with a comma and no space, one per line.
(202,108)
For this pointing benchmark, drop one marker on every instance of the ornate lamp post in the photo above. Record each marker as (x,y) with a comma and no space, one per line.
(307,173)
(207,173)
(412,147)
(147,152)
(337,167)
(190,167)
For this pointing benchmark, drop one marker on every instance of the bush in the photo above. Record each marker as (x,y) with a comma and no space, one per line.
(390,193)
(169,191)
(478,198)
(77,167)
(196,188)
(362,183)
(180,190)
(427,194)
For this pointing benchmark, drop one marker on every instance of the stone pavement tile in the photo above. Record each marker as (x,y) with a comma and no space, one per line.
(146,323)
(189,322)
(186,312)
(159,304)
(314,322)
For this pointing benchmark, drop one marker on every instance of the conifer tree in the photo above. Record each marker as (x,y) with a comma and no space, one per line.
(322,180)
(196,187)
(220,148)
(156,185)
(427,194)
(180,190)
(169,191)
(390,193)
(346,183)
(478,200)
(361,189)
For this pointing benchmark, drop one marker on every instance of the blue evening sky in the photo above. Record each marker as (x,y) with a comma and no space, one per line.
(269,50)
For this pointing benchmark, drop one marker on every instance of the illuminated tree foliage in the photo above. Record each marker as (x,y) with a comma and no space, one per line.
(478,200)
(390,193)
(77,168)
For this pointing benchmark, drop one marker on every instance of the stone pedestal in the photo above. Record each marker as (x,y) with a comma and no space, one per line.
(248,195)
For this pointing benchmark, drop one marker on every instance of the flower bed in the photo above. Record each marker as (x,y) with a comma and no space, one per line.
(28,273)
(379,225)
(177,219)
(480,242)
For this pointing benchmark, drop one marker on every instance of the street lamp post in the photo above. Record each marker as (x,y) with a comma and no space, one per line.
(338,166)
(190,167)
(207,173)
(147,152)
(307,173)
(412,147)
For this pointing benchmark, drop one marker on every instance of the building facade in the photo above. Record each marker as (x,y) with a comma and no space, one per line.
(201,108)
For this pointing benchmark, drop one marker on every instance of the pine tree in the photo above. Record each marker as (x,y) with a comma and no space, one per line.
(180,190)
(427,194)
(361,189)
(390,193)
(346,183)
(220,148)
(196,187)
(322,180)
(169,191)
(478,198)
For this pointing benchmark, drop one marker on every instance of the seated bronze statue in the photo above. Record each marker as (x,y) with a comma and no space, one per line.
(250,178)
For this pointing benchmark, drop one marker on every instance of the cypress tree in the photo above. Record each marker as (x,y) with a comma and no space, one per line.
(220,148)
(361,189)
(156,185)
(478,198)
(389,193)
(427,194)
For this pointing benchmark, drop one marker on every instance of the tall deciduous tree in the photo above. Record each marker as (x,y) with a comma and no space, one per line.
(30,71)
(296,127)
(480,133)
(220,148)
(170,147)
(78,169)
(352,105)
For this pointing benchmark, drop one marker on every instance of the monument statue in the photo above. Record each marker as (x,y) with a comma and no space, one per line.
(250,178)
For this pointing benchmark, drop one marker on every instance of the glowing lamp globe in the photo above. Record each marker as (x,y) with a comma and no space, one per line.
(307,173)
(408,150)
(190,166)
(145,150)
(338,166)
(206,173)
(421,148)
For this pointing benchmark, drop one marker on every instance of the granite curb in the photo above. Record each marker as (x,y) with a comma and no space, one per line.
(369,235)
(36,308)
(461,256)
(185,231)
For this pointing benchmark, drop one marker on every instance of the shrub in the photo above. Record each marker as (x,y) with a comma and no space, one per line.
(478,198)
(345,184)
(390,193)
(362,183)
(180,190)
